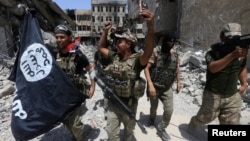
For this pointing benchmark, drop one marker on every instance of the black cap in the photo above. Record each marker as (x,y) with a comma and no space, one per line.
(169,37)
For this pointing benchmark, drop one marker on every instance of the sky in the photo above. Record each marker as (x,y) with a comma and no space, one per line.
(74,4)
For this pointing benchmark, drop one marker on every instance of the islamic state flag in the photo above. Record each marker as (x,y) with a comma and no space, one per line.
(44,95)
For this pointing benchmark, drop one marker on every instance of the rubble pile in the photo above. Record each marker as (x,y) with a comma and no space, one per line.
(192,67)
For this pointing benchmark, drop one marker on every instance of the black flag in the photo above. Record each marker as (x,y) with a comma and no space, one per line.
(44,95)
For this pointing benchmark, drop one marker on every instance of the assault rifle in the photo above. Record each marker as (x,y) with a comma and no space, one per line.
(241,41)
(231,43)
(112,96)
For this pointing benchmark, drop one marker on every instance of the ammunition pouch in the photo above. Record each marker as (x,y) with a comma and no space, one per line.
(82,84)
(163,80)
(68,65)
(159,86)
(139,88)
(86,86)
(121,88)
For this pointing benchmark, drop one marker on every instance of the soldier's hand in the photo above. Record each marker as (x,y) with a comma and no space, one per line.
(178,88)
(240,52)
(152,92)
(91,92)
(147,15)
(242,89)
(107,25)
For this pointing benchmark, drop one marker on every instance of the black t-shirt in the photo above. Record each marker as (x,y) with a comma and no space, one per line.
(81,61)
(225,81)
(104,61)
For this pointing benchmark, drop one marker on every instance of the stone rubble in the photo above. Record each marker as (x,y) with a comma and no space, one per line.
(192,69)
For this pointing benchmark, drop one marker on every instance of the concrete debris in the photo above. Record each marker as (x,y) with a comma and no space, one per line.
(192,79)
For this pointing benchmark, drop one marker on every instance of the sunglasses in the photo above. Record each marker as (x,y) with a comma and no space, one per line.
(63,28)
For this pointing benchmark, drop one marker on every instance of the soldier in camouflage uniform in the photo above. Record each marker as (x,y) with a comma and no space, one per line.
(161,72)
(226,65)
(123,74)
(73,62)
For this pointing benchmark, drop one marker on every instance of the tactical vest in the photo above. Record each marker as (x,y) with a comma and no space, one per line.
(163,73)
(68,64)
(123,79)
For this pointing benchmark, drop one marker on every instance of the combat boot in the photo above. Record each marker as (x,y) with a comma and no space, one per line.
(163,134)
(191,126)
(151,122)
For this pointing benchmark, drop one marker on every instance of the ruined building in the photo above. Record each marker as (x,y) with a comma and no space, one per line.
(196,22)
(89,22)
(167,16)
(49,14)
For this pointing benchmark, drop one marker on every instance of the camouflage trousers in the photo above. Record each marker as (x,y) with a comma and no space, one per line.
(116,116)
(226,108)
(166,97)
(74,124)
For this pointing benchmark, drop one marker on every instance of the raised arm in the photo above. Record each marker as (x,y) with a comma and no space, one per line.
(102,45)
(149,46)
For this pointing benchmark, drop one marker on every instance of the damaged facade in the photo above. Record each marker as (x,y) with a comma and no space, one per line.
(167,16)
(89,22)
(197,22)
(49,14)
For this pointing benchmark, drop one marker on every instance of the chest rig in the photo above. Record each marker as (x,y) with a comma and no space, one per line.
(69,63)
(123,79)
(163,73)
